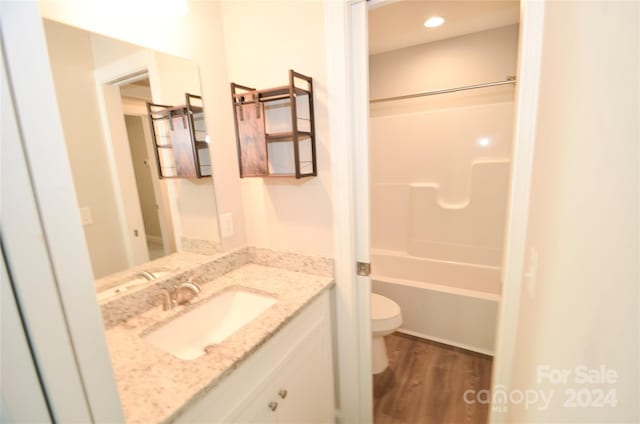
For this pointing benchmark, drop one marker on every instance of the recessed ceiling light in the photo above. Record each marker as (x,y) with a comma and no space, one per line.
(434,21)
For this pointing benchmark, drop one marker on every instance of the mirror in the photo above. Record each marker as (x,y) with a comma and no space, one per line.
(134,207)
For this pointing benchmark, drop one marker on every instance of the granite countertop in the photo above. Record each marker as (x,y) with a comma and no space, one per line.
(155,386)
(171,264)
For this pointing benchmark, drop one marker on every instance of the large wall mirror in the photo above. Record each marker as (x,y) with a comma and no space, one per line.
(131,214)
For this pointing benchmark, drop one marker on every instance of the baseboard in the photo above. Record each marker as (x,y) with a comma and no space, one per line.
(445,341)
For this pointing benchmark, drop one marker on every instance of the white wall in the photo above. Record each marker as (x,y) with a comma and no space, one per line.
(106,50)
(197,36)
(264,40)
(582,308)
(71,61)
(194,200)
(469,59)
(290,215)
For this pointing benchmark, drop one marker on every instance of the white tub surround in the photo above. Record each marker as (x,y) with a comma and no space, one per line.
(440,175)
(450,302)
(459,278)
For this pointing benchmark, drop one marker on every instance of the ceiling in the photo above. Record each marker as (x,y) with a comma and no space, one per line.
(140,89)
(142,83)
(400,23)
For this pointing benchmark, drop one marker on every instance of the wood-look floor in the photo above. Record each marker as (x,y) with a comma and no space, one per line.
(425,383)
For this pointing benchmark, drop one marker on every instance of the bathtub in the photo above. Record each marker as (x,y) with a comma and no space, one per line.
(450,302)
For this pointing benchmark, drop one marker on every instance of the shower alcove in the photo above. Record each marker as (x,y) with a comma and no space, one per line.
(440,159)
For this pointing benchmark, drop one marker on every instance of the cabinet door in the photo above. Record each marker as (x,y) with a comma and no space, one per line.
(297,359)
(257,411)
(252,140)
(183,147)
(308,382)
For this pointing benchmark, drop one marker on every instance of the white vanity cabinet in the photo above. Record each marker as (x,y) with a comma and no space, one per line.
(287,380)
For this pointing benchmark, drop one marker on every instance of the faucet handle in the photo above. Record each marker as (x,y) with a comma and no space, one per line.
(147,275)
(168,299)
(191,285)
(188,286)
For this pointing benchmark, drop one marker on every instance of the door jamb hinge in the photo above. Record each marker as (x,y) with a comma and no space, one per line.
(364,269)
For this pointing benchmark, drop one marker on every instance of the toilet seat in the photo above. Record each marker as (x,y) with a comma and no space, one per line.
(385,314)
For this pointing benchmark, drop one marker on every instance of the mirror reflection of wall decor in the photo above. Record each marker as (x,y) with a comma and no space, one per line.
(181,143)
(130,214)
(275,129)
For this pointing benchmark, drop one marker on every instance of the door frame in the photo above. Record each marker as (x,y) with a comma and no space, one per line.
(123,178)
(530,45)
(347,51)
(120,162)
(159,191)
(347,86)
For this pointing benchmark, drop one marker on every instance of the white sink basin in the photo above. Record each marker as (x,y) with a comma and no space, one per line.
(188,335)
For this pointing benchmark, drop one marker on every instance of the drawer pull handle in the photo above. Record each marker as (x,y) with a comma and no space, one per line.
(273,405)
(282,393)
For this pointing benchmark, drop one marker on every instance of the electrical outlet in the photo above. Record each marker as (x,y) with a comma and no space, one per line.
(226,225)
(85,216)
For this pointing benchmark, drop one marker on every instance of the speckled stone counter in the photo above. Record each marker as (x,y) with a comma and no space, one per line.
(172,264)
(133,303)
(155,386)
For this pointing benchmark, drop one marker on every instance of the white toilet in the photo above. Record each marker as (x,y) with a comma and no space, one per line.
(386,318)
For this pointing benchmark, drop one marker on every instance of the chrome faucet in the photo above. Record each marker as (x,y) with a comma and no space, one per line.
(146,274)
(173,297)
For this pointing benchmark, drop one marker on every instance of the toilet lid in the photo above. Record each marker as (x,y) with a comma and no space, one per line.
(383,308)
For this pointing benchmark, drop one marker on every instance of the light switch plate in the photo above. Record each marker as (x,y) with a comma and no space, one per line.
(85,215)
(226,225)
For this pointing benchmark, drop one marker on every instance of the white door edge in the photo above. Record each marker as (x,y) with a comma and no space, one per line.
(45,245)
(529,58)
(348,117)
(359,58)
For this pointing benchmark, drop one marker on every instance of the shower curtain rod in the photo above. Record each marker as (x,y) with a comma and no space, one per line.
(509,80)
